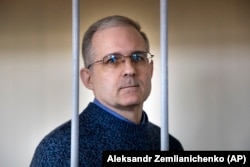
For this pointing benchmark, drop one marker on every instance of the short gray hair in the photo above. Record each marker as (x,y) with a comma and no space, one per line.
(107,22)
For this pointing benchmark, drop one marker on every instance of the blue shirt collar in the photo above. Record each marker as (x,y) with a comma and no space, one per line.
(143,120)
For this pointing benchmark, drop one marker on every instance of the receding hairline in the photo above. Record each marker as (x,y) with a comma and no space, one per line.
(105,23)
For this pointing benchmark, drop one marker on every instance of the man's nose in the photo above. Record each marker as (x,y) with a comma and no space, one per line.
(128,67)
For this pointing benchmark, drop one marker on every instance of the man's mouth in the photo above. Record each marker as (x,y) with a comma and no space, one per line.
(130,86)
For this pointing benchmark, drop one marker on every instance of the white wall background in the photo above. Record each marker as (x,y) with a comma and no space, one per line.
(209,64)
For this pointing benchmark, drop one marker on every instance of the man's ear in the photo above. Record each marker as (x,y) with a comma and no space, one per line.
(86,78)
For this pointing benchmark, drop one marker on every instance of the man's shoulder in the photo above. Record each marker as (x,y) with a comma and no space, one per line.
(154,126)
(53,147)
(175,144)
(61,132)
(59,136)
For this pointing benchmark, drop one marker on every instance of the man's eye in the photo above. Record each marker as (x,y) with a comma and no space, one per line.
(137,57)
(111,59)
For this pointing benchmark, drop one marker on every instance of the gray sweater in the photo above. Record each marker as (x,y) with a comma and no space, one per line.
(98,131)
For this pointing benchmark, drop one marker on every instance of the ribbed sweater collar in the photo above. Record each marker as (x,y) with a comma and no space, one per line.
(95,114)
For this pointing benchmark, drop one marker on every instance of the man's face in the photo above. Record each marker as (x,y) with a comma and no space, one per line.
(127,85)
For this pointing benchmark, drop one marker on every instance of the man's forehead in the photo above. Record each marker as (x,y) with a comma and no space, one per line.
(123,39)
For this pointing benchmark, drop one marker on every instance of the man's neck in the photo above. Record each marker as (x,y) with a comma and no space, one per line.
(132,114)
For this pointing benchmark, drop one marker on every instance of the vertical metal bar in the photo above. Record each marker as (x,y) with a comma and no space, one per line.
(75,114)
(164,75)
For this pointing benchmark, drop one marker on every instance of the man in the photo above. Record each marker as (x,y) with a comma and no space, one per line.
(118,69)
